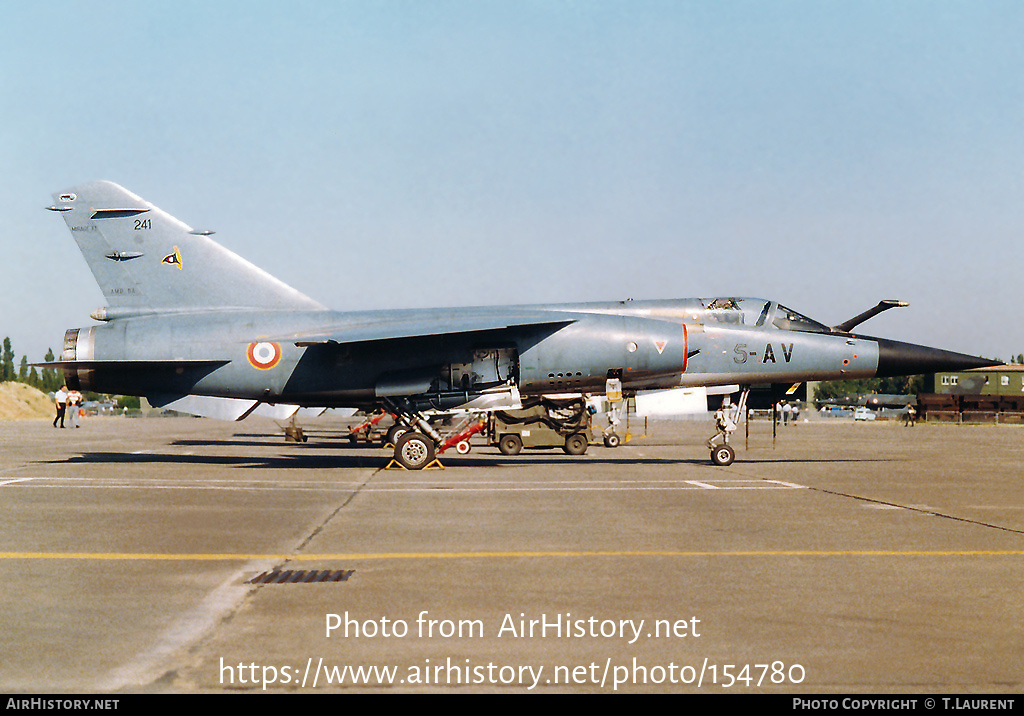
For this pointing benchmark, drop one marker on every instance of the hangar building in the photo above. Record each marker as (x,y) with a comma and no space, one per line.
(993,394)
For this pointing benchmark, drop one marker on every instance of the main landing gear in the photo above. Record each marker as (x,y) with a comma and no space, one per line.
(727,419)
(414,450)
(417,444)
(415,440)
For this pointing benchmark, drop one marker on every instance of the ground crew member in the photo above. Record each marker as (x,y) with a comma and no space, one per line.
(60,399)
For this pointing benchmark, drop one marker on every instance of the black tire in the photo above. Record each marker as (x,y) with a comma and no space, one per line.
(414,451)
(576,444)
(510,444)
(393,433)
(611,440)
(723,455)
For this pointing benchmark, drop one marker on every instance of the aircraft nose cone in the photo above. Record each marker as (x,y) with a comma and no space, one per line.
(896,358)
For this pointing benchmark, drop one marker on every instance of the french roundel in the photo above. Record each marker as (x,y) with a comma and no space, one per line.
(264,355)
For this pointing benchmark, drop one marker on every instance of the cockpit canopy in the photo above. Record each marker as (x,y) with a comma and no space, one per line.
(789,320)
(758,313)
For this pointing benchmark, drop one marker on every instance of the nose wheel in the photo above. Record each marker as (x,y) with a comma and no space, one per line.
(723,455)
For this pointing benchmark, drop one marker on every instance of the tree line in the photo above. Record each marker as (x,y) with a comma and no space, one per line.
(46,379)
(897,385)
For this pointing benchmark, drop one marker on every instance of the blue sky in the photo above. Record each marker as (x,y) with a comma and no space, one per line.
(395,154)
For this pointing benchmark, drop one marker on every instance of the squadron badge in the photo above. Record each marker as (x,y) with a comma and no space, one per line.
(172,259)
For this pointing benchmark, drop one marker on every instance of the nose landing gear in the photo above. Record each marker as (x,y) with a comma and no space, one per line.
(727,419)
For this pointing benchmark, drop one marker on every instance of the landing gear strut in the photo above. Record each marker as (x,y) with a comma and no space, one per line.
(416,445)
(727,419)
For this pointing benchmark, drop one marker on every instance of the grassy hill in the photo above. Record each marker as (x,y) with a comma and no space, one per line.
(19,401)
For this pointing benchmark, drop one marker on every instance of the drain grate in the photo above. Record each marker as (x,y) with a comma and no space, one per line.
(302,576)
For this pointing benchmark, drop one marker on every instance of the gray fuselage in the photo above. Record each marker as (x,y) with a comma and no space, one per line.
(647,344)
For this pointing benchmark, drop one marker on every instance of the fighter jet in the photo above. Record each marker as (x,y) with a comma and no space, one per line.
(189,322)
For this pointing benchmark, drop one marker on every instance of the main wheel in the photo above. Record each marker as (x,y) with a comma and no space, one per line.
(510,444)
(414,451)
(612,440)
(393,433)
(576,444)
(723,455)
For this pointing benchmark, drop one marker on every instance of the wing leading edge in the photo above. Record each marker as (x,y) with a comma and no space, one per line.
(419,327)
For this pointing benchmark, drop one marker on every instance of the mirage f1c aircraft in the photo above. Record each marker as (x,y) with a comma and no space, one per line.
(188,320)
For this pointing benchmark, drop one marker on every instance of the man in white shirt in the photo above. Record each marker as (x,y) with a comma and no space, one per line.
(60,399)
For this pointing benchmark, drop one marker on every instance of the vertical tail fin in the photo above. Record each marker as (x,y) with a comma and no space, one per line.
(145,260)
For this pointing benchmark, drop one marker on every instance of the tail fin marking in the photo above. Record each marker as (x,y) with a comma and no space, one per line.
(145,260)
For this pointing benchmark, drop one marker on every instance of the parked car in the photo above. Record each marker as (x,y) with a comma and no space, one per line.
(863,414)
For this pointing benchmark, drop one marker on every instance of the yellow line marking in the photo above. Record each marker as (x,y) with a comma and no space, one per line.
(112,556)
